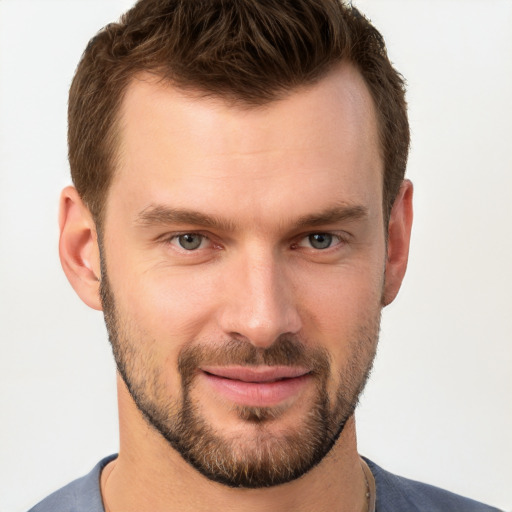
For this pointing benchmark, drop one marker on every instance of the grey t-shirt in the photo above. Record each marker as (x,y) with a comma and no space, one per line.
(394,494)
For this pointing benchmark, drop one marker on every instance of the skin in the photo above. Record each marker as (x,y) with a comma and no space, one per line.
(262,171)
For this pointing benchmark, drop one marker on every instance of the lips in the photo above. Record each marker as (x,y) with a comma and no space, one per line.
(261,386)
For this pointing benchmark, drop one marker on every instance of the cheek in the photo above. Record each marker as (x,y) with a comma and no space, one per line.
(160,313)
(345,321)
(341,308)
(170,305)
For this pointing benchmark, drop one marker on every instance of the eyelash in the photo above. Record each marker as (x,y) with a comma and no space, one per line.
(337,240)
(175,237)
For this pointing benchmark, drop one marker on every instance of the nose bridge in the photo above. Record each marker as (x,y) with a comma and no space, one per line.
(261,307)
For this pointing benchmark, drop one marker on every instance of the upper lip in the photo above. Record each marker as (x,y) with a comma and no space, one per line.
(256,373)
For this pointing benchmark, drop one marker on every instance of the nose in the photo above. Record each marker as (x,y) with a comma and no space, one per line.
(259,303)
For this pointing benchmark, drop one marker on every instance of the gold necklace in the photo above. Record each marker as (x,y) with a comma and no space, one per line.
(371,493)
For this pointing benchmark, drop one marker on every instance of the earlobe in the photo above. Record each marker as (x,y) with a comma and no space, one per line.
(78,247)
(399,236)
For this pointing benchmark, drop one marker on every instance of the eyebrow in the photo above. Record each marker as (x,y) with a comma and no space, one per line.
(161,215)
(164,215)
(339,213)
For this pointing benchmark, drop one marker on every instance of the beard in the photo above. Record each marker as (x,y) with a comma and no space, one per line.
(266,456)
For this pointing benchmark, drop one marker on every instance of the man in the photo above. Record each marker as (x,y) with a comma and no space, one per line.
(241,217)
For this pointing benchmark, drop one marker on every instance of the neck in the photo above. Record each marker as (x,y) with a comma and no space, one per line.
(150,475)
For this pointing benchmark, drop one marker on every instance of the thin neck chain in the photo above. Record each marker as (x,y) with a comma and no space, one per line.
(371,494)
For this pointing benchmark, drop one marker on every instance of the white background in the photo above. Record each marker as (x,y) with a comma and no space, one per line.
(438,407)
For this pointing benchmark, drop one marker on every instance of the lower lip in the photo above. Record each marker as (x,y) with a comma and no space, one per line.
(257,394)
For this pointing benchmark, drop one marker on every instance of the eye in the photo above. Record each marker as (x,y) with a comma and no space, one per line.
(189,241)
(320,241)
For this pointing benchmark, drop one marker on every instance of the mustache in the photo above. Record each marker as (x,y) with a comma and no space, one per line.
(287,350)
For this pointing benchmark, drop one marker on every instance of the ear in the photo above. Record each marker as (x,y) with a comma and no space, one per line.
(399,236)
(78,247)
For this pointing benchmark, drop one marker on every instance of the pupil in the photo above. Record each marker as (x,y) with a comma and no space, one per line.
(189,241)
(320,240)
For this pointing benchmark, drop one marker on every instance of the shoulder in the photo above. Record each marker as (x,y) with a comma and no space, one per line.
(396,494)
(81,495)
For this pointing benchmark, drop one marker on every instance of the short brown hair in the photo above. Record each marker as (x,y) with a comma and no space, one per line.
(249,51)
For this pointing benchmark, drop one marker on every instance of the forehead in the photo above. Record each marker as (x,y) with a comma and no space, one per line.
(315,145)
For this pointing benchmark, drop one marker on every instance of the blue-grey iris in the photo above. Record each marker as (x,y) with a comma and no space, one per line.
(190,241)
(320,240)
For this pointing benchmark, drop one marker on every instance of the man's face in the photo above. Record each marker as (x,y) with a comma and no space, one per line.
(243,270)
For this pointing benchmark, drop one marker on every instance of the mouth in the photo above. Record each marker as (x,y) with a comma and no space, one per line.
(259,386)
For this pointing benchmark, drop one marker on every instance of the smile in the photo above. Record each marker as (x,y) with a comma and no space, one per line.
(263,386)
